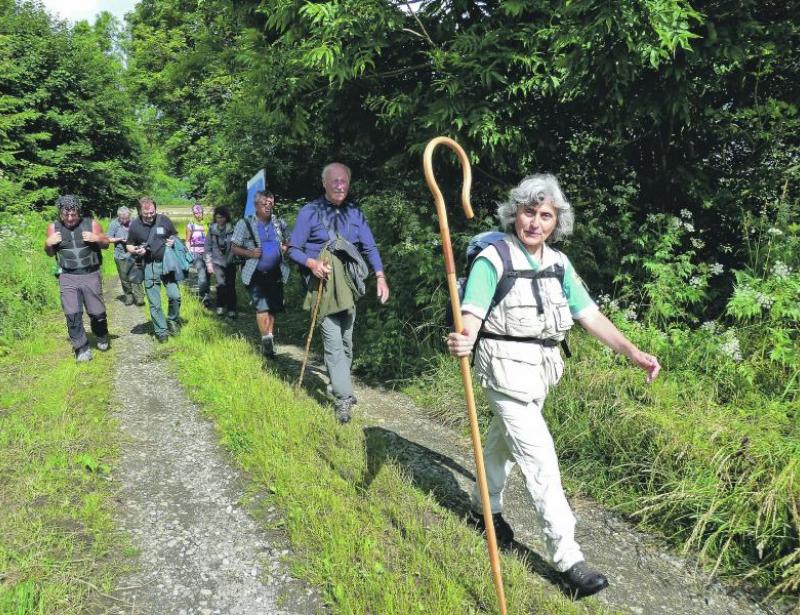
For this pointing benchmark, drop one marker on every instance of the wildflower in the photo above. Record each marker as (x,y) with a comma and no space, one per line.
(781,269)
(764,300)
(689,226)
(730,347)
(613,305)
(774,231)
(716,269)
(710,326)
(629,314)
(697,243)
(695,281)
(685,213)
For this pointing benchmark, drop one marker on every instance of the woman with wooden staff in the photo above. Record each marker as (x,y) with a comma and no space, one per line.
(517,359)
(466,377)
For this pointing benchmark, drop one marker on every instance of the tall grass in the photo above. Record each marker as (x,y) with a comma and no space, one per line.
(363,533)
(700,456)
(27,282)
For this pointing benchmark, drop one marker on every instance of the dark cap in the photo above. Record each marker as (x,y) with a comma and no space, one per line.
(68,201)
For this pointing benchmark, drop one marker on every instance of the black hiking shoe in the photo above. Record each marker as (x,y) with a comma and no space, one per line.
(341,408)
(173,327)
(103,343)
(268,346)
(583,581)
(162,338)
(502,530)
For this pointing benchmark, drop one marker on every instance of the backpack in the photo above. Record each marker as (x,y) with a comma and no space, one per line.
(237,260)
(510,275)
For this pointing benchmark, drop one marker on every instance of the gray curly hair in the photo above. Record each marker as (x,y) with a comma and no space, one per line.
(536,190)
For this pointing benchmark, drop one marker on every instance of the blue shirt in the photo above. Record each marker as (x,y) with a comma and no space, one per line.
(270,247)
(310,232)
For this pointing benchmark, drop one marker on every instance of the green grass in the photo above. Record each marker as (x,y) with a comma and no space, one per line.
(365,535)
(700,456)
(57,445)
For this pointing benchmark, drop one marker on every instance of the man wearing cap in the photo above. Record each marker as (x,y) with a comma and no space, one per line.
(76,240)
(148,237)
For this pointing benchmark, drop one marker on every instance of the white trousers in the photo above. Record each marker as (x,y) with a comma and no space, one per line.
(518,435)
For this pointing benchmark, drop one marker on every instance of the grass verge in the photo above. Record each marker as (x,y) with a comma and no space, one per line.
(57,444)
(365,535)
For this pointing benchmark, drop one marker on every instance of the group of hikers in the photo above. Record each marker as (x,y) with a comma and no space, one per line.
(521,298)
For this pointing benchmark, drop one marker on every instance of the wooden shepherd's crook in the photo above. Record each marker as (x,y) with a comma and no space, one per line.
(450,270)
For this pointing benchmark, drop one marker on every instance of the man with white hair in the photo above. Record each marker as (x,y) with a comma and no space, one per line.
(319,222)
(118,235)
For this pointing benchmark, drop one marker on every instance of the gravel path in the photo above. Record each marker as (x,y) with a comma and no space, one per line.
(199,551)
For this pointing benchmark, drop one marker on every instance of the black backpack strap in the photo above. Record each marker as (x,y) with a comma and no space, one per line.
(250,230)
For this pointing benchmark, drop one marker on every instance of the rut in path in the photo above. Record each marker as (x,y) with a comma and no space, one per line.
(179,498)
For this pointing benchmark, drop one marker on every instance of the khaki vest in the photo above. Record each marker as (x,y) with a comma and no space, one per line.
(524,370)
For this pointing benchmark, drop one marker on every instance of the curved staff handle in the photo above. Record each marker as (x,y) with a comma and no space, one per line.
(466,376)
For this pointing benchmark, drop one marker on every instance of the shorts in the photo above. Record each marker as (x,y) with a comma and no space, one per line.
(266,291)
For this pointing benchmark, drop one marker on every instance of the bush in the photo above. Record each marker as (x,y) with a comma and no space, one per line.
(27,284)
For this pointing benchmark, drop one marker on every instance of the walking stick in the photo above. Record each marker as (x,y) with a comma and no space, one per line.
(466,377)
(314,313)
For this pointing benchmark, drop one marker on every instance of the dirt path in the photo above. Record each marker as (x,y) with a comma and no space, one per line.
(179,498)
(646,578)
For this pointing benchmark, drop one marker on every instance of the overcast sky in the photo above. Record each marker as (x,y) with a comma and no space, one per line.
(75,10)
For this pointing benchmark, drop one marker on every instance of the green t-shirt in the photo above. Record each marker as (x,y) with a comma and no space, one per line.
(483,279)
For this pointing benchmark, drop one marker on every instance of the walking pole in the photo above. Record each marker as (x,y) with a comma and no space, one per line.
(314,313)
(466,377)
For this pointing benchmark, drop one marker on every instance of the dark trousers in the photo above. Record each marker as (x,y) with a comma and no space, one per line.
(226,286)
(131,290)
(77,290)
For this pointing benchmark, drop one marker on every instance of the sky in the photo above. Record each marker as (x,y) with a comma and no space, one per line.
(75,10)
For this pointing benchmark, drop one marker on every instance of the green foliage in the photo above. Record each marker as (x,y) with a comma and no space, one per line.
(28,287)
(66,124)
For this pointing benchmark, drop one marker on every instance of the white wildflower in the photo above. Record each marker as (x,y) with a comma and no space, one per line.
(676,222)
(730,347)
(781,269)
(689,226)
(764,300)
(613,305)
(710,326)
(716,268)
(629,314)
(685,213)
(775,231)
(698,243)
(695,281)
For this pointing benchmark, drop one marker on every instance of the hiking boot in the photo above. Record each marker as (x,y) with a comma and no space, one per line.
(341,408)
(82,355)
(502,530)
(220,311)
(583,581)
(268,346)
(206,301)
(329,391)
(103,343)
(162,337)
(128,300)
(173,327)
